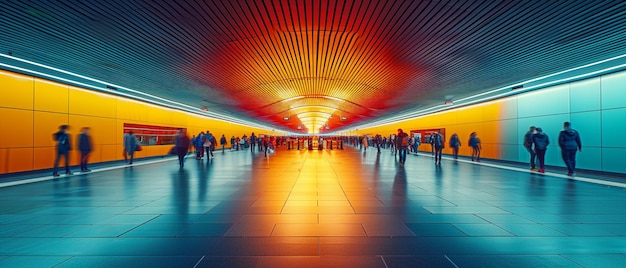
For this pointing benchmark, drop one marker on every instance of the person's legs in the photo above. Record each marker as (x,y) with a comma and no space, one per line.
(67,163)
(541,154)
(532,157)
(56,165)
(438,154)
(132,156)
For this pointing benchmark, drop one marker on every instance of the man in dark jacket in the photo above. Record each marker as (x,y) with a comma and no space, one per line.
(64,146)
(528,144)
(569,141)
(85,146)
(541,141)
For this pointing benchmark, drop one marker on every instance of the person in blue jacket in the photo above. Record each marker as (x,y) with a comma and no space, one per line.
(540,140)
(63,147)
(569,141)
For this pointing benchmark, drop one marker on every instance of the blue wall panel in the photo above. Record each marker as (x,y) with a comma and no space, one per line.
(554,100)
(613,128)
(589,158)
(589,126)
(612,159)
(614,91)
(585,95)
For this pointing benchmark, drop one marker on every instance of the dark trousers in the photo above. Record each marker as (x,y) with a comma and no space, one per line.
(455,152)
(209,151)
(569,157)
(475,153)
(252,147)
(402,150)
(181,152)
(541,156)
(84,157)
(532,156)
(65,154)
(438,151)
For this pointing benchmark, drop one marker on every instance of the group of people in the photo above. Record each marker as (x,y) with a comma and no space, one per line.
(536,143)
(64,146)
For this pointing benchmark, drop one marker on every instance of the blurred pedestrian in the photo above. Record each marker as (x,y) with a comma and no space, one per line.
(130,145)
(181,145)
(86,147)
(63,148)
(569,141)
(474,142)
(455,143)
(540,141)
(528,144)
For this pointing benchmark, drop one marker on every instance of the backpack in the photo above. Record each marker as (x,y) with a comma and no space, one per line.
(404,140)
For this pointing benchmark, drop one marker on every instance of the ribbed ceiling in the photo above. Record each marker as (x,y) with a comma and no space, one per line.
(331,60)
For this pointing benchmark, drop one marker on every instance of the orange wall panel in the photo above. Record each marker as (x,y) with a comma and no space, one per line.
(103,130)
(16,90)
(111,152)
(4,160)
(83,102)
(44,157)
(20,159)
(16,128)
(46,124)
(51,97)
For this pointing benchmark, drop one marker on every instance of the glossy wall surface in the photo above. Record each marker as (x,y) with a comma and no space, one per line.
(596,108)
(32,109)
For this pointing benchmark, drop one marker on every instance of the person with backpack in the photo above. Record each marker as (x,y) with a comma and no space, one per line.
(130,145)
(437,142)
(64,146)
(528,144)
(540,141)
(209,144)
(455,143)
(198,143)
(569,141)
(402,143)
(474,142)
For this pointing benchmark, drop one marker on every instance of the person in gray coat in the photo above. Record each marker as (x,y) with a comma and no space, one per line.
(130,145)
(569,141)
(540,140)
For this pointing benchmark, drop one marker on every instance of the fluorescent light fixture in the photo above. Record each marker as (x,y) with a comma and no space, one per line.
(114,90)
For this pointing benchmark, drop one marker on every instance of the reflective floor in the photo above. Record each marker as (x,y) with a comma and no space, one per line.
(312,209)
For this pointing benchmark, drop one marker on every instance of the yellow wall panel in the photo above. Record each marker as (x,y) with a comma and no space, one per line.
(16,91)
(51,97)
(16,128)
(46,124)
(111,152)
(83,102)
(20,159)
(103,130)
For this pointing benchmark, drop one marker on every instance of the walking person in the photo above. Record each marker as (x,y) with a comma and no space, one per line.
(85,146)
(252,142)
(130,145)
(364,143)
(402,140)
(455,143)
(223,142)
(181,145)
(474,142)
(528,144)
(209,145)
(541,141)
(438,144)
(63,148)
(569,141)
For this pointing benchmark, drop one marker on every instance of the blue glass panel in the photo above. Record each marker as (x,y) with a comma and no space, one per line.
(585,95)
(589,158)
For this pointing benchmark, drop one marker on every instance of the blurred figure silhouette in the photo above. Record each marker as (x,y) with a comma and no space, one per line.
(85,146)
(182,146)
(64,146)
(130,145)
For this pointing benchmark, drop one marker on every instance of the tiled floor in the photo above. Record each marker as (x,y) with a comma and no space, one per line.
(312,209)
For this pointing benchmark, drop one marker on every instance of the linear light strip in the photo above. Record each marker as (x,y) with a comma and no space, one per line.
(442,107)
(117,93)
(173,105)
